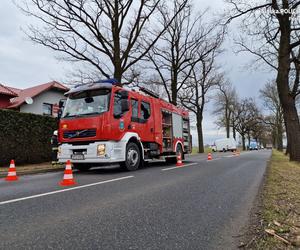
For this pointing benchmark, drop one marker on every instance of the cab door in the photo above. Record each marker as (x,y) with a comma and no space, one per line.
(146,121)
(142,121)
(121,118)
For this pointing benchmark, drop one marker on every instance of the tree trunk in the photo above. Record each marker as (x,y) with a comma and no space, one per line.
(227,122)
(174,87)
(200,134)
(233,131)
(279,139)
(243,142)
(286,99)
(118,72)
(248,135)
(293,130)
(227,128)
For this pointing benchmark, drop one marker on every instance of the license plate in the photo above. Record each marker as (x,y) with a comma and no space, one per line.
(77,157)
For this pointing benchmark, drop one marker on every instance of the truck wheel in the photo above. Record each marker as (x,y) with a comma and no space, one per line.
(82,166)
(133,157)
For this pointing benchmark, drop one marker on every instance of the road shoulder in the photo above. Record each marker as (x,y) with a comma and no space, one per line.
(275,220)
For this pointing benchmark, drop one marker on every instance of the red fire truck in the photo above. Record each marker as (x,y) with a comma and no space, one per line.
(103,122)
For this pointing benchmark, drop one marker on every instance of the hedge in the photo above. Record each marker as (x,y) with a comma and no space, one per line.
(25,137)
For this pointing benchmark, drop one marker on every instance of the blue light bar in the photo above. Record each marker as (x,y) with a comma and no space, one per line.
(112,81)
(93,85)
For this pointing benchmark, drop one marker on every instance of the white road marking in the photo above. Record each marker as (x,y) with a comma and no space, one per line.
(229,156)
(64,190)
(185,165)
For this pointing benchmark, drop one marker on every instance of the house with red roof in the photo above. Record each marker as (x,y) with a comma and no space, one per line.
(42,99)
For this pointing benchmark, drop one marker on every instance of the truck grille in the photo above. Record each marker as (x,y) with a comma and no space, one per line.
(79,133)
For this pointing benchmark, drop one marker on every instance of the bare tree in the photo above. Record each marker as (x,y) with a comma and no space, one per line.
(273,37)
(174,57)
(225,105)
(247,117)
(270,96)
(194,92)
(109,35)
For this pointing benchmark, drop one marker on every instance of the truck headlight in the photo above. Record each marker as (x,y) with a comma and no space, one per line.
(101,149)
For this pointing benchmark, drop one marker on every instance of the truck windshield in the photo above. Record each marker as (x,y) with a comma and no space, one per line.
(87,103)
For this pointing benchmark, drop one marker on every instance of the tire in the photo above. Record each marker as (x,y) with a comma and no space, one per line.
(82,167)
(133,157)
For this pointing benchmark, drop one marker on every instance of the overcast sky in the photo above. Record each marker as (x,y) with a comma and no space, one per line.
(24,64)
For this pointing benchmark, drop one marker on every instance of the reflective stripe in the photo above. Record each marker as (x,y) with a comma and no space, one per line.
(68,176)
(11,174)
(68,166)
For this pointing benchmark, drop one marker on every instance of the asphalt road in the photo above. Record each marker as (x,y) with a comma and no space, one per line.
(199,206)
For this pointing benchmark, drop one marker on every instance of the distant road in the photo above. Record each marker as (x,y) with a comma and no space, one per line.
(199,206)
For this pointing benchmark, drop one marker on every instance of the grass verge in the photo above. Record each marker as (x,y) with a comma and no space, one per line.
(206,150)
(280,215)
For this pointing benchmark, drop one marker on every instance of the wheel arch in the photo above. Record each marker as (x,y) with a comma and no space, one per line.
(138,142)
(180,143)
(133,137)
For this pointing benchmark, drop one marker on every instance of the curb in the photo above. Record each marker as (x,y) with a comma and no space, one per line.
(37,171)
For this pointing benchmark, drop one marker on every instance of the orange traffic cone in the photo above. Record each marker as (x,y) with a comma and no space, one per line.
(234,153)
(68,179)
(238,153)
(209,157)
(179,161)
(12,173)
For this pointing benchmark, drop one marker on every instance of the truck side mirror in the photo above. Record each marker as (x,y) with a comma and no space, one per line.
(124,105)
(61,103)
(61,106)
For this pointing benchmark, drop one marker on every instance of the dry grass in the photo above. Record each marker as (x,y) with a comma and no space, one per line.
(206,150)
(281,204)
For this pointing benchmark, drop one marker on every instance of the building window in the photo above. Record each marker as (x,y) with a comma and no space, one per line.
(47,109)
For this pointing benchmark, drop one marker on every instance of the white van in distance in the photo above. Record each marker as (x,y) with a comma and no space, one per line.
(226,144)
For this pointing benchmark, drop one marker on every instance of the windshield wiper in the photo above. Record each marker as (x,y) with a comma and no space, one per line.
(67,116)
(85,114)
(93,113)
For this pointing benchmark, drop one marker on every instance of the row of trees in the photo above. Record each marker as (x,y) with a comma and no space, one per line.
(270,31)
(247,118)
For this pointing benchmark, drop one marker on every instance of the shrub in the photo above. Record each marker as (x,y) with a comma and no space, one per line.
(25,137)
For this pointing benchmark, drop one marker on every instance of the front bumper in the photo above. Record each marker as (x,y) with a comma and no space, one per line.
(114,152)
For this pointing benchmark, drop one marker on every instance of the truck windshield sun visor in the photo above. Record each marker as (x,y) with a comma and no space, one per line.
(87,103)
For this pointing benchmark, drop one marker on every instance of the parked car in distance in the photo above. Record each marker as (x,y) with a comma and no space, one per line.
(269,146)
(253,145)
(223,145)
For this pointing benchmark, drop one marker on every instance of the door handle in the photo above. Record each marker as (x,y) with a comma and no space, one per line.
(151,130)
